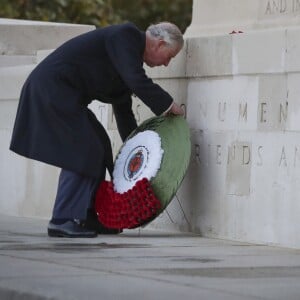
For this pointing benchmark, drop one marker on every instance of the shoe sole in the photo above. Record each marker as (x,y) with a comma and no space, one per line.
(58,233)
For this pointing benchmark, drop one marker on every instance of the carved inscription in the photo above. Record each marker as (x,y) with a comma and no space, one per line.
(221,155)
(272,114)
(277,7)
(265,114)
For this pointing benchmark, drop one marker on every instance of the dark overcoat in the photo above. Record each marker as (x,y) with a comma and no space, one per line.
(53,123)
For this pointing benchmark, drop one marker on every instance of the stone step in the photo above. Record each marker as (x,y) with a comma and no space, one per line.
(245,53)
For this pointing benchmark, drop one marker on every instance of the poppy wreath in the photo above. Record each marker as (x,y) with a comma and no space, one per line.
(148,171)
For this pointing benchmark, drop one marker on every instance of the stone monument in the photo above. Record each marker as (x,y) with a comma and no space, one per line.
(238,78)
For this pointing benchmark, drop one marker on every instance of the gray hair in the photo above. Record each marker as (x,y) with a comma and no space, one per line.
(168,32)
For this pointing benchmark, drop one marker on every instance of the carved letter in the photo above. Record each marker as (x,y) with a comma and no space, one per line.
(221,114)
(137,112)
(243,111)
(296,5)
(246,157)
(263,111)
(275,6)
(184,109)
(101,108)
(296,156)
(197,153)
(268,9)
(260,162)
(231,154)
(283,158)
(218,156)
(112,116)
(282,6)
(283,113)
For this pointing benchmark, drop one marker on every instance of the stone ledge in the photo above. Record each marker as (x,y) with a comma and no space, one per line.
(220,17)
(20,37)
(273,51)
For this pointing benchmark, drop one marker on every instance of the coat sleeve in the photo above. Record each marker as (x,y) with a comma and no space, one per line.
(125,48)
(125,119)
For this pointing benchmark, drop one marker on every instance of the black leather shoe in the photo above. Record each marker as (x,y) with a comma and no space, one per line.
(71,229)
(93,223)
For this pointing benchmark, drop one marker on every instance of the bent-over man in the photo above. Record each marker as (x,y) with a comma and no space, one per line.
(54,125)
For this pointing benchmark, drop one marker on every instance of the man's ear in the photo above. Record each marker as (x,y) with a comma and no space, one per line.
(161,43)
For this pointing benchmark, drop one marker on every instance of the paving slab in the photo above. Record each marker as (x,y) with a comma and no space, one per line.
(140,264)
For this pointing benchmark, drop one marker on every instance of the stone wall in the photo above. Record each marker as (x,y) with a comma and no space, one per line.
(242,106)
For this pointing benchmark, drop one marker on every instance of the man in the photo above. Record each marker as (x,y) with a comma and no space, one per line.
(54,125)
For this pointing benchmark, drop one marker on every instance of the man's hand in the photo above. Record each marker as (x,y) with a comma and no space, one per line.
(175,109)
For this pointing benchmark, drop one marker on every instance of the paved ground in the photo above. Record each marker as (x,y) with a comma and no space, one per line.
(140,265)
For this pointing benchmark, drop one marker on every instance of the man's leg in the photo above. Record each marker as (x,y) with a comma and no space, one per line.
(74,197)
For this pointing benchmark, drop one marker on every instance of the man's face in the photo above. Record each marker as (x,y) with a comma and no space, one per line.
(160,54)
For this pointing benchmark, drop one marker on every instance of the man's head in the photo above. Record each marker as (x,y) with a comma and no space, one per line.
(163,42)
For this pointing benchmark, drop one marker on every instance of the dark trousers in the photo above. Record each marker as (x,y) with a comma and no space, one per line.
(75,195)
(75,192)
